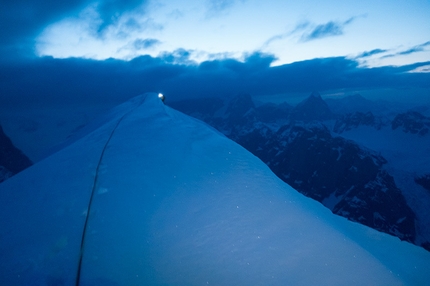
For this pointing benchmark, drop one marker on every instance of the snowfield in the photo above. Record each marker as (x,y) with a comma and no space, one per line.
(150,196)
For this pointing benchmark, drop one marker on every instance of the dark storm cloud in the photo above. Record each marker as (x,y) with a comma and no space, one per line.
(22,20)
(328,29)
(79,81)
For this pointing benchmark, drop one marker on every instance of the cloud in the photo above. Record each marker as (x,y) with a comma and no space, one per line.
(111,10)
(421,69)
(371,53)
(219,7)
(178,56)
(328,29)
(412,50)
(81,81)
(144,44)
(22,20)
(417,48)
(299,27)
(309,31)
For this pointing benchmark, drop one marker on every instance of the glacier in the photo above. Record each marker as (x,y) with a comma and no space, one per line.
(149,196)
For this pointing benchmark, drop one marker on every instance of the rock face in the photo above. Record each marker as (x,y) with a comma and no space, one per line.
(412,122)
(12,160)
(348,179)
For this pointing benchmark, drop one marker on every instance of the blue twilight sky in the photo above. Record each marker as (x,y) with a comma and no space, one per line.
(375,32)
(84,49)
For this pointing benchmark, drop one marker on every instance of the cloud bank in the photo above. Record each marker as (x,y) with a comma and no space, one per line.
(75,80)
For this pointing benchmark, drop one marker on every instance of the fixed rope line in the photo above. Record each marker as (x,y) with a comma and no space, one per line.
(81,252)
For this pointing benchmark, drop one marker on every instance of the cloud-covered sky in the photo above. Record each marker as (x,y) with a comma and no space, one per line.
(213,29)
(117,49)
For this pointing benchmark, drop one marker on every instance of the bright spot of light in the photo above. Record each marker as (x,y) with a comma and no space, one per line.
(161,96)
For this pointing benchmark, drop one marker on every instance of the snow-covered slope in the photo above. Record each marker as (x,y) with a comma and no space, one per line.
(163,199)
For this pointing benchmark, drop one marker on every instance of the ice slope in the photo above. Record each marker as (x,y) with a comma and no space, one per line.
(176,203)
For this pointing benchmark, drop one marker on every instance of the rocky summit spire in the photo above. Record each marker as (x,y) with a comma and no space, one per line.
(315,94)
(312,108)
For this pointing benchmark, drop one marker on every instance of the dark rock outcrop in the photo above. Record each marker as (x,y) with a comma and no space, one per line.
(424,181)
(12,160)
(353,120)
(412,122)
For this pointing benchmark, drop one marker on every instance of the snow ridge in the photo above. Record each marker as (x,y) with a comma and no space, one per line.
(181,205)
(95,186)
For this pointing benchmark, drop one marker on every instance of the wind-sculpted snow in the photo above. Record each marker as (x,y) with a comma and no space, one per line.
(176,203)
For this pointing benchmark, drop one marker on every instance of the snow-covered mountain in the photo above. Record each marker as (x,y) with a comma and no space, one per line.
(331,157)
(150,196)
(12,160)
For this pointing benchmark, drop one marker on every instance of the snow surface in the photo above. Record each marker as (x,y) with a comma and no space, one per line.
(177,203)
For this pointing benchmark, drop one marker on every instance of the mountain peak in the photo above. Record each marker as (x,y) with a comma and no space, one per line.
(312,108)
(315,94)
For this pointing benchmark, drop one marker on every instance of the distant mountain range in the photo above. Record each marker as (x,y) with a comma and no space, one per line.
(313,148)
